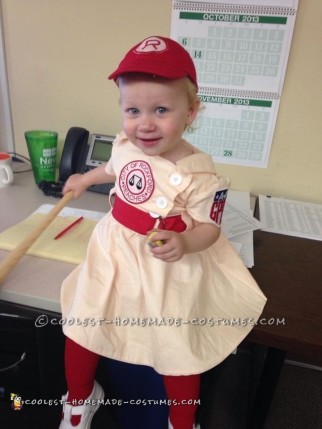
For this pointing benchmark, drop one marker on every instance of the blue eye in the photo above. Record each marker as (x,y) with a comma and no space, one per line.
(133,111)
(161,110)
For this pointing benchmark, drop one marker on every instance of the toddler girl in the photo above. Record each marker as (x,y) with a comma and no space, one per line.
(161,305)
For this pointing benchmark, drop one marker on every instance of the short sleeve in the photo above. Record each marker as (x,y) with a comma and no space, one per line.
(206,200)
(109,167)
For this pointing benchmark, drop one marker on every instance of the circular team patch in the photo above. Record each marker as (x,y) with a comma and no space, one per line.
(136,182)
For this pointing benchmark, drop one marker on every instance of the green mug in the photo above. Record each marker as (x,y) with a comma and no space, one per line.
(42,148)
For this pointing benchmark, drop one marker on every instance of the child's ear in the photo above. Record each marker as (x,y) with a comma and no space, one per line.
(192,113)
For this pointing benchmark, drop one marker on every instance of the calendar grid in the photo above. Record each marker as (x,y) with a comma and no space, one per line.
(240,53)
(237,138)
(243,55)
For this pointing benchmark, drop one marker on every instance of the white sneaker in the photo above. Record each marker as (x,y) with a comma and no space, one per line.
(194,427)
(86,411)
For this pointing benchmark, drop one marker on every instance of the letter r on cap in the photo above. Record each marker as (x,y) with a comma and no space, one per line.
(151,44)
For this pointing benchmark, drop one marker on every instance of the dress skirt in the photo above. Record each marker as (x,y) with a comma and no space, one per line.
(179,318)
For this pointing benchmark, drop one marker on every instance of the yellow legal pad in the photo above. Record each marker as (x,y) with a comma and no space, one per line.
(69,248)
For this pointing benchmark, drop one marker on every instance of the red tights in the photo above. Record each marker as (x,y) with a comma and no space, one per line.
(80,367)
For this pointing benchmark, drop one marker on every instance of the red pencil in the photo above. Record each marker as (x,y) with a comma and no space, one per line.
(63,232)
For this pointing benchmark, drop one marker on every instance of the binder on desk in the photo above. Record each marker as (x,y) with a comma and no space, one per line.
(239,223)
(70,248)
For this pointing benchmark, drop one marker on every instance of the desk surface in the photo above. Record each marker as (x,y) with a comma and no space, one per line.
(36,281)
(289,272)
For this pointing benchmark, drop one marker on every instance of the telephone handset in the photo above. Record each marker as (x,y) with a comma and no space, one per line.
(82,152)
(73,152)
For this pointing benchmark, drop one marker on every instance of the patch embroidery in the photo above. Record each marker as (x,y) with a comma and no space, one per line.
(136,182)
(218,205)
(152,44)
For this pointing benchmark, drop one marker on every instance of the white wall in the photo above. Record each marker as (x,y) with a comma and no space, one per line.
(59,53)
(6,127)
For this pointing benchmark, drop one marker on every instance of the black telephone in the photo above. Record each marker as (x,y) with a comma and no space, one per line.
(82,152)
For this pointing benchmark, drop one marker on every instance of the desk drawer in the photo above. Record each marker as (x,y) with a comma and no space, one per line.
(18,356)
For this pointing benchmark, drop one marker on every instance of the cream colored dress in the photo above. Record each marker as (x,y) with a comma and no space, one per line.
(180,318)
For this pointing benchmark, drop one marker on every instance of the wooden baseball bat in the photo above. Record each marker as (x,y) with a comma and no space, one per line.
(14,257)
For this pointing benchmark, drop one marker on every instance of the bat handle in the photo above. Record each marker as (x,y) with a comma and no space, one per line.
(14,257)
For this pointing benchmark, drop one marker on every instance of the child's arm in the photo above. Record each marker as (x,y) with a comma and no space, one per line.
(78,183)
(202,236)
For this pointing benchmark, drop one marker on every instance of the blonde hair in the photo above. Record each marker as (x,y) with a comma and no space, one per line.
(193,99)
(192,92)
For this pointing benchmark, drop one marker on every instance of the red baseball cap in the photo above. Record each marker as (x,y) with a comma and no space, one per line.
(158,56)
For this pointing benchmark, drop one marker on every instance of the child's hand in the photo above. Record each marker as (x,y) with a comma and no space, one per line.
(172,247)
(175,244)
(76,184)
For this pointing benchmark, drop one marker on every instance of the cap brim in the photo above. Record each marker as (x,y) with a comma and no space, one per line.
(168,73)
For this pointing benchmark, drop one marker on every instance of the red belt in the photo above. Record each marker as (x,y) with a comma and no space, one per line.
(142,222)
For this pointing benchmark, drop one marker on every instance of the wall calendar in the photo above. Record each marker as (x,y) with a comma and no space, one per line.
(240,52)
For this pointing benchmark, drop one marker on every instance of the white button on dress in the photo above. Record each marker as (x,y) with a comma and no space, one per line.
(162,202)
(176,179)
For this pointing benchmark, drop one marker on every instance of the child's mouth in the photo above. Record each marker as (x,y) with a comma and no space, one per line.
(149,142)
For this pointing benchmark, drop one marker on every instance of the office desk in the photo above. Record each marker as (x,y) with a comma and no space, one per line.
(25,284)
(32,288)
(289,272)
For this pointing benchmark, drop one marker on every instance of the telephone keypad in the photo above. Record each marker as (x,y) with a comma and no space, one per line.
(104,188)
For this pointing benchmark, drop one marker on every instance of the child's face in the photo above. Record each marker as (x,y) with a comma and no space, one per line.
(155,113)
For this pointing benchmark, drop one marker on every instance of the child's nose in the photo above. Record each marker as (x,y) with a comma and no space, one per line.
(146,123)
